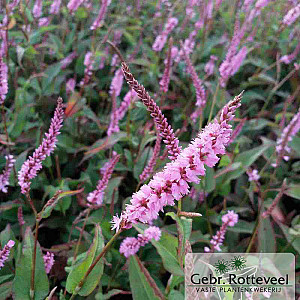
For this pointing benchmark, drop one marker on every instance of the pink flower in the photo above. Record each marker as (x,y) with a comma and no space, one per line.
(289,131)
(88,62)
(37,8)
(96,197)
(4,253)
(292,15)
(3,81)
(151,164)
(73,5)
(162,38)
(70,85)
(131,245)
(44,22)
(101,15)
(129,98)
(230,219)
(116,83)
(152,233)
(253,175)
(172,183)
(67,60)
(114,120)
(55,6)
(34,163)
(209,67)
(4,177)
(165,80)
(289,58)
(48,261)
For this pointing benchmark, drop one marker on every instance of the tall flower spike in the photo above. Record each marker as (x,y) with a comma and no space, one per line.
(114,119)
(4,177)
(172,183)
(48,261)
(289,58)
(200,91)
(165,80)
(34,163)
(161,122)
(292,15)
(3,81)
(289,131)
(95,198)
(130,97)
(210,66)
(230,219)
(4,253)
(37,8)
(116,83)
(55,6)
(20,216)
(151,164)
(88,62)
(73,5)
(101,15)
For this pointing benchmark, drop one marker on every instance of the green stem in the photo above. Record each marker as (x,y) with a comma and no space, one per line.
(90,269)
(214,102)
(37,222)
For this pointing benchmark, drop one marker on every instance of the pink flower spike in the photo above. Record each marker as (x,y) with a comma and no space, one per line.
(48,261)
(129,246)
(292,15)
(73,5)
(33,164)
(4,253)
(37,8)
(4,177)
(55,6)
(116,83)
(210,66)
(152,232)
(253,175)
(95,198)
(101,15)
(3,81)
(20,216)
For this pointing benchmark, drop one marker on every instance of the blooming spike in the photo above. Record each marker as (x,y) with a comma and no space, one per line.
(3,81)
(162,125)
(4,253)
(4,177)
(48,261)
(96,197)
(34,163)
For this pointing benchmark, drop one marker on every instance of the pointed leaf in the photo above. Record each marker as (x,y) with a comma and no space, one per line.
(21,283)
(142,284)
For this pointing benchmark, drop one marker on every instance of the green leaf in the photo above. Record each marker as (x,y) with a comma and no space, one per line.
(210,181)
(266,237)
(21,283)
(293,190)
(94,277)
(247,158)
(167,249)
(80,268)
(141,283)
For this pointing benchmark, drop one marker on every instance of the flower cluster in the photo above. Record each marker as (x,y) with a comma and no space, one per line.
(4,177)
(162,38)
(48,261)
(161,122)
(172,183)
(88,62)
(253,175)
(292,15)
(73,5)
(131,245)
(116,83)
(130,97)
(34,163)
(4,253)
(55,6)
(37,8)
(97,23)
(210,66)
(287,135)
(95,198)
(289,58)
(3,81)
(151,164)
(230,219)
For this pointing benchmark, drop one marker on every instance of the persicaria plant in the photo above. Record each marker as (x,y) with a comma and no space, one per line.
(135,132)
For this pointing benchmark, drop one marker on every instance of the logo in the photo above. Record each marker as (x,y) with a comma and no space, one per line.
(240,276)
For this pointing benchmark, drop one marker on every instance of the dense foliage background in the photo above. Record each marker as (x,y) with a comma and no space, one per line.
(38,75)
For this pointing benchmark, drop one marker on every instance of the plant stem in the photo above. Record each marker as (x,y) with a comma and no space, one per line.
(37,222)
(90,269)
(214,102)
